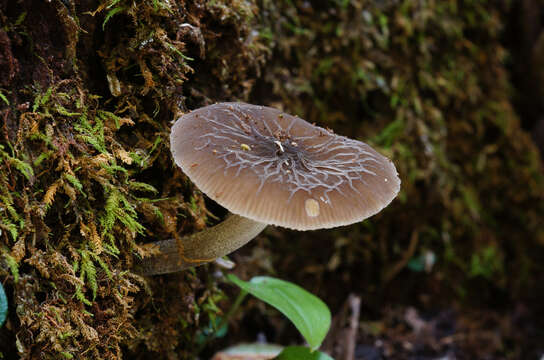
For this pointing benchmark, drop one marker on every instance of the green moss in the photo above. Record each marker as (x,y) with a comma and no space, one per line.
(87,178)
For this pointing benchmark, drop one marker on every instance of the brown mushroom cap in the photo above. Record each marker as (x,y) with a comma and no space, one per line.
(275,168)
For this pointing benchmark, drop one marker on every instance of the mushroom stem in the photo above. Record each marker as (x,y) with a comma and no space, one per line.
(202,247)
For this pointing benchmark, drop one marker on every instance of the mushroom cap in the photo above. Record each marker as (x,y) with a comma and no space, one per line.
(275,168)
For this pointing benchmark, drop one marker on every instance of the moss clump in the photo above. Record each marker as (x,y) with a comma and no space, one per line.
(86,177)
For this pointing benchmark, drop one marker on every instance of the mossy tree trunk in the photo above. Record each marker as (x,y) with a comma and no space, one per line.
(88,90)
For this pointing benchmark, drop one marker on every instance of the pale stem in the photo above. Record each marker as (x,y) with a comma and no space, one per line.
(197,249)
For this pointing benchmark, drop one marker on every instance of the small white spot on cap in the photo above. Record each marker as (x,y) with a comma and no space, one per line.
(312,207)
(279,145)
(385,179)
(326,201)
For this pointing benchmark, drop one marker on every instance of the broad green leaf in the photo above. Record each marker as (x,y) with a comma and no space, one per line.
(301,353)
(3,305)
(308,313)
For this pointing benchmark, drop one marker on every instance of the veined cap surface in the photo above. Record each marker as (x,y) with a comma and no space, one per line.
(278,169)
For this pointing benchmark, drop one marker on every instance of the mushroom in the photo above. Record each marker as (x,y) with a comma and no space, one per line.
(269,167)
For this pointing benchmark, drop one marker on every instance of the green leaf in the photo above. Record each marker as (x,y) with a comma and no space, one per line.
(4,98)
(301,353)
(3,305)
(67,355)
(110,14)
(20,19)
(308,313)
